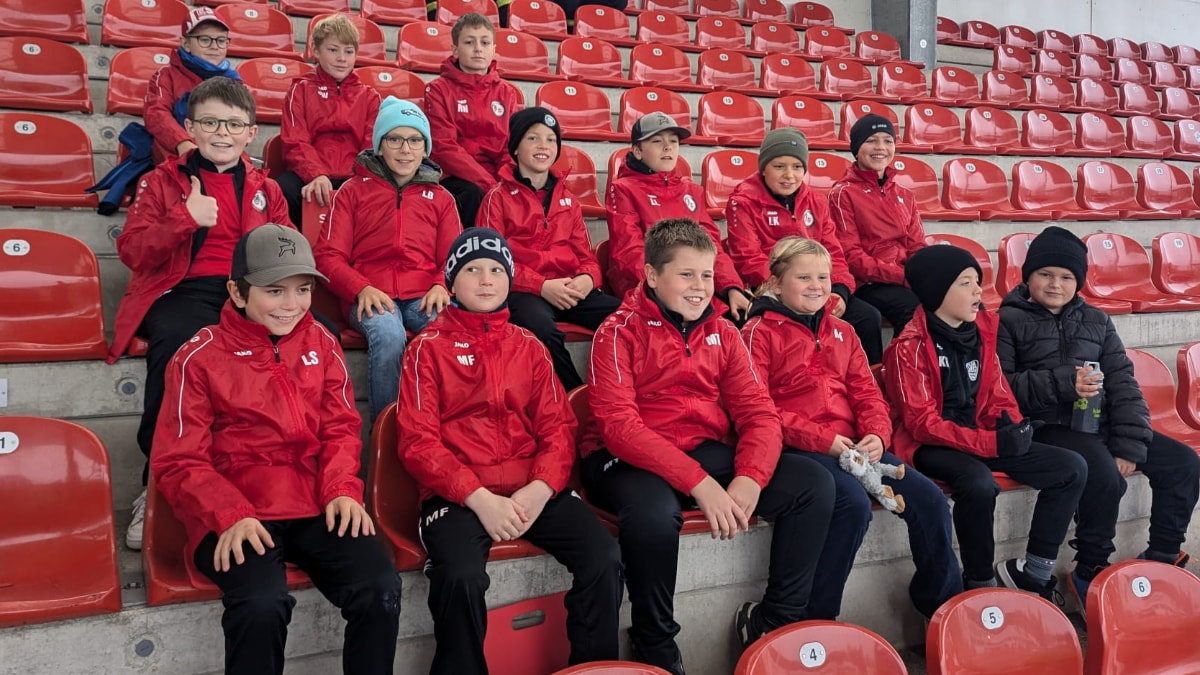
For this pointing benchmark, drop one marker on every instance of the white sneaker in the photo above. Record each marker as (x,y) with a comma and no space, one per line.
(133,536)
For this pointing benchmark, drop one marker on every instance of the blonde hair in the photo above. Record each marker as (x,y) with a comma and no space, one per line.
(339,27)
(788,248)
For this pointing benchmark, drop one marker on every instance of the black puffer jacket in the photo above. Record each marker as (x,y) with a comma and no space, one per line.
(1039,352)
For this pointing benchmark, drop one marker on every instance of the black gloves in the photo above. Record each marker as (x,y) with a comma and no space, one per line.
(1013,439)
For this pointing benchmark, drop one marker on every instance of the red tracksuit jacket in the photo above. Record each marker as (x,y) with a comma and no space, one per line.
(326,124)
(656,394)
(156,244)
(879,227)
(468,119)
(255,429)
(634,203)
(480,406)
(544,245)
(756,221)
(164,89)
(393,240)
(913,384)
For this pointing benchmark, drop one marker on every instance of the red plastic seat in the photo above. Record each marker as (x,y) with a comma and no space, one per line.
(1178,104)
(729,9)
(257,30)
(846,79)
(129,72)
(825,169)
(50,308)
(1131,70)
(829,647)
(591,60)
(132,23)
(1053,62)
(538,17)
(952,85)
(669,29)
(1156,52)
(1018,36)
(1012,59)
(522,57)
(1175,266)
(582,182)
(1007,90)
(394,12)
(764,10)
(423,45)
(44,161)
(721,172)
(1119,268)
(1047,130)
(812,117)
(717,32)
(62,20)
(787,74)
(1099,135)
(813,14)
(372,48)
(1095,66)
(732,118)
(1010,256)
(1042,185)
(1050,91)
(1187,365)
(878,47)
(59,548)
(681,7)
(922,181)
(929,124)
(43,74)
(993,130)
(1142,617)
(449,11)
(1096,96)
(980,34)
(1105,186)
(391,81)
(821,43)
(1187,141)
(1056,40)
(606,23)
(1120,47)
(269,79)
(1192,73)
(1185,55)
(315,7)
(529,636)
(662,65)
(901,81)
(583,110)
(1166,188)
(978,185)
(612,668)
(948,30)
(991,298)
(728,70)
(774,37)
(993,630)
(1148,137)
(1163,75)
(644,100)
(1158,387)
(1086,43)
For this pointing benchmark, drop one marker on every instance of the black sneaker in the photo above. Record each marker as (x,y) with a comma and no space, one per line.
(672,663)
(1011,575)
(743,625)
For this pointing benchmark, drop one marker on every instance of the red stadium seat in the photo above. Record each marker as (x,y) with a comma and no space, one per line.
(1158,386)
(538,17)
(1175,266)
(991,298)
(993,630)
(129,72)
(1131,70)
(529,636)
(725,69)
(663,66)
(1120,47)
(980,34)
(257,30)
(449,11)
(948,30)
(1008,90)
(1119,268)
(1086,43)
(993,130)
(592,60)
(1099,135)
(315,7)
(1192,73)
(583,110)
(269,79)
(612,668)
(721,172)
(1157,52)
(394,12)
(825,169)
(1012,60)
(522,57)
(1047,130)
(1141,618)
(582,182)
(1010,255)
(1187,365)
(822,43)
(1187,141)
(1095,66)
(978,185)
(669,29)
(954,86)
(644,100)
(132,23)
(50,307)
(59,548)
(830,647)
(764,10)
(774,37)
(1104,186)
(1165,75)
(44,161)
(1018,36)
(423,45)
(846,79)
(812,117)
(1053,62)
(901,81)
(1042,185)
(62,20)
(1056,40)
(1097,96)
(391,81)
(929,124)
(878,47)
(1148,137)
(1185,55)
(715,32)
(1050,91)
(681,7)
(43,74)
(1165,188)
(922,181)
(718,8)
(372,48)
(1178,104)
(606,23)
(787,74)
(809,14)
(733,119)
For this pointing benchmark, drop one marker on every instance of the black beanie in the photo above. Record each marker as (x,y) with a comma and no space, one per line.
(475,243)
(866,128)
(932,270)
(1056,247)
(522,120)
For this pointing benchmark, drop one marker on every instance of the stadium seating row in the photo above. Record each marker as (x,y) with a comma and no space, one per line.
(982,34)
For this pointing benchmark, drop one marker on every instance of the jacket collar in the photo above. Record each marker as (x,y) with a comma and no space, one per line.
(770,307)
(247,332)
(868,178)
(452,72)
(643,301)
(456,318)
(368,163)
(322,78)
(1019,298)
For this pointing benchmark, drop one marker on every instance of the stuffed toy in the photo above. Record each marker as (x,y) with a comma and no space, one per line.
(857,464)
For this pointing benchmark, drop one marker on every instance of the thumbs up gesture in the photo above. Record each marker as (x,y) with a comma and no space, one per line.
(202,209)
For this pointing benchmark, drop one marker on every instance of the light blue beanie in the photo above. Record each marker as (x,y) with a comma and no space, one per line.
(395,112)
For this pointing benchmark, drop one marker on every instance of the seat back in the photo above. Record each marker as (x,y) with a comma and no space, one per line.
(1012,60)
(1011,255)
(1185,55)
(449,11)
(1047,130)
(526,637)
(1018,36)
(257,30)
(62,20)
(825,169)
(1096,66)
(1100,131)
(980,33)
(1116,263)
(1148,135)
(391,81)
(659,64)
(519,54)
(43,74)
(1187,141)
(1041,185)
(674,6)
(372,48)
(974,184)
(827,647)
(394,12)
(947,29)
(1179,103)
(877,46)
(717,32)
(1057,40)
(314,7)
(1096,94)
(774,37)
(764,10)
(722,171)
(1051,91)
(579,106)
(581,174)
(129,74)
(597,21)
(270,79)
(1157,383)
(1156,52)
(853,111)
(391,494)
(724,69)
(931,124)
(845,77)
(812,14)
(1175,266)
(133,23)
(921,180)
(588,58)
(901,81)
(826,43)
(423,45)
(991,127)
(1102,186)
(641,101)
(44,161)
(812,117)
(1007,89)
(1053,62)
(735,118)
(1166,75)
(1187,398)
(952,84)
(1086,43)
(1119,47)
(537,17)
(662,27)
(1164,186)
(786,73)
(725,8)
(1135,97)
(994,630)
(58,551)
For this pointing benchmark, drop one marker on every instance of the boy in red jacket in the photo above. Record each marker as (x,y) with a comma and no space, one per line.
(670,379)
(380,244)
(877,221)
(258,456)
(179,238)
(648,189)
(203,43)
(822,386)
(776,202)
(469,107)
(558,276)
(328,116)
(954,413)
(486,431)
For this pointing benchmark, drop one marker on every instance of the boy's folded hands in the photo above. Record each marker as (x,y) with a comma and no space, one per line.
(720,507)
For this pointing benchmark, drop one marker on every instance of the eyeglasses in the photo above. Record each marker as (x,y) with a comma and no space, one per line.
(210,125)
(207,41)
(397,142)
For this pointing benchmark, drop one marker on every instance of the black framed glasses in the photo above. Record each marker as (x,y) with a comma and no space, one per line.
(397,142)
(210,125)
(207,41)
